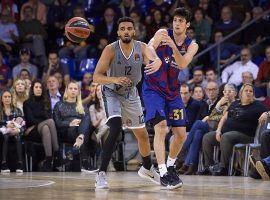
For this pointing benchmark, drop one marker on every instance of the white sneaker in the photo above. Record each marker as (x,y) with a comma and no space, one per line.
(101,181)
(151,174)
(19,171)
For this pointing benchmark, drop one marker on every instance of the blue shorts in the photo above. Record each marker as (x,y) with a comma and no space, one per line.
(172,110)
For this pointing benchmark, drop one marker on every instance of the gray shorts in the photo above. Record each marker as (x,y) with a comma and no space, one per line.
(126,106)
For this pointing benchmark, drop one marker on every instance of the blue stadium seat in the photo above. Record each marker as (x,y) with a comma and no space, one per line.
(72,66)
(87,65)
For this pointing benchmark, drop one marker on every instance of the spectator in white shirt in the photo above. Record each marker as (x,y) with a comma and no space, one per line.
(233,73)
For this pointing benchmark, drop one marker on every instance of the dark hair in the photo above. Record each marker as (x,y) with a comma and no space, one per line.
(183,12)
(97,102)
(44,95)
(186,85)
(25,70)
(125,19)
(53,52)
(199,9)
(211,69)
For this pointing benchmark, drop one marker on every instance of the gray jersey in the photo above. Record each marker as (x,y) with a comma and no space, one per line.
(126,66)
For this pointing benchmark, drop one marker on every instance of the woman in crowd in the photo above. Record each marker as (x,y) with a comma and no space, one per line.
(12,124)
(201,127)
(73,121)
(198,93)
(19,93)
(40,126)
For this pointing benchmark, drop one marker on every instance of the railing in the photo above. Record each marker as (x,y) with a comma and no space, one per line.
(228,37)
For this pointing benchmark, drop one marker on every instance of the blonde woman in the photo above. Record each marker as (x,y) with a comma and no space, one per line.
(238,125)
(19,93)
(73,122)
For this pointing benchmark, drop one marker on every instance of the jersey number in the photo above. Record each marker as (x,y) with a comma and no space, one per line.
(178,114)
(127,70)
(141,119)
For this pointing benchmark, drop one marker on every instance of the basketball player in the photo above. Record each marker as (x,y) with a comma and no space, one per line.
(121,61)
(163,103)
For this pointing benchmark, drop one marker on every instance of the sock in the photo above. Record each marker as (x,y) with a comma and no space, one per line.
(147,162)
(162,169)
(170,161)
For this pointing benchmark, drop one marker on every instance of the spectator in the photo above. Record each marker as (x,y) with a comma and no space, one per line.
(228,51)
(40,126)
(202,27)
(10,5)
(227,24)
(24,64)
(201,127)
(198,93)
(56,66)
(140,29)
(192,106)
(9,35)
(19,93)
(60,80)
(238,125)
(247,77)
(73,122)
(211,9)
(211,76)
(263,77)
(240,9)
(90,99)
(126,6)
(156,23)
(33,34)
(39,11)
(26,76)
(12,124)
(53,91)
(85,85)
(5,74)
(233,73)
(198,77)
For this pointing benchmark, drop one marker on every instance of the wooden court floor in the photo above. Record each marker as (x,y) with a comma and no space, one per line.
(127,185)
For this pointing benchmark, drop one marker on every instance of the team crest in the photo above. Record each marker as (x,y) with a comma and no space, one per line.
(167,59)
(129,122)
(137,57)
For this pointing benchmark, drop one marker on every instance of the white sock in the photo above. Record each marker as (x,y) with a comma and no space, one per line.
(162,169)
(170,161)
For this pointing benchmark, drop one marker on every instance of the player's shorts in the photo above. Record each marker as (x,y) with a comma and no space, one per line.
(157,105)
(128,107)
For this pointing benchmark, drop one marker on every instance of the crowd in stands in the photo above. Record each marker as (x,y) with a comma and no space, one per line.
(41,103)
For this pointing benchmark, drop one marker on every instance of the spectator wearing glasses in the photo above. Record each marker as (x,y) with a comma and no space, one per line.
(233,73)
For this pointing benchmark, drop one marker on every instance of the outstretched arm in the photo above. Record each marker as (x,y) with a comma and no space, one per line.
(158,38)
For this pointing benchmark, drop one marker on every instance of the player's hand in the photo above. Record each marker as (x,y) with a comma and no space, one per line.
(161,36)
(168,41)
(153,67)
(123,81)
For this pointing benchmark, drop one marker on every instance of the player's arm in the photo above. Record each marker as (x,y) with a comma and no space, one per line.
(159,36)
(149,53)
(102,67)
(182,61)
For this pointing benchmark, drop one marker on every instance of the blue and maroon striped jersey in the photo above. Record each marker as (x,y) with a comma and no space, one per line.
(165,79)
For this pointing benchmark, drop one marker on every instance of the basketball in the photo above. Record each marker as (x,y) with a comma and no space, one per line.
(77,29)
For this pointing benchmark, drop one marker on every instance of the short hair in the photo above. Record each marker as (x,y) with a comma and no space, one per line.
(125,19)
(211,69)
(53,52)
(183,12)
(25,70)
(186,86)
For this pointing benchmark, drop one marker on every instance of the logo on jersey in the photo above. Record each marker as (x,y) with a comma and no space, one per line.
(137,57)
(129,122)
(167,59)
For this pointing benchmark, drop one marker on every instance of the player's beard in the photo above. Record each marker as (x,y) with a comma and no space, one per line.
(126,40)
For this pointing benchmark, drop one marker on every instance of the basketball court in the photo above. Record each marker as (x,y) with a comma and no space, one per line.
(127,185)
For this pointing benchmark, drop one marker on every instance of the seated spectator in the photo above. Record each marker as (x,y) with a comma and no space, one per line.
(26,76)
(85,84)
(263,77)
(140,29)
(24,64)
(90,98)
(238,125)
(32,34)
(19,93)
(11,127)
(233,73)
(39,11)
(5,74)
(198,93)
(60,80)
(202,27)
(9,35)
(201,127)
(210,9)
(10,5)
(257,30)
(54,65)
(227,24)
(40,126)
(197,78)
(126,7)
(240,10)
(156,23)
(73,122)
(228,51)
(211,76)
(192,106)
(53,91)
(247,77)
